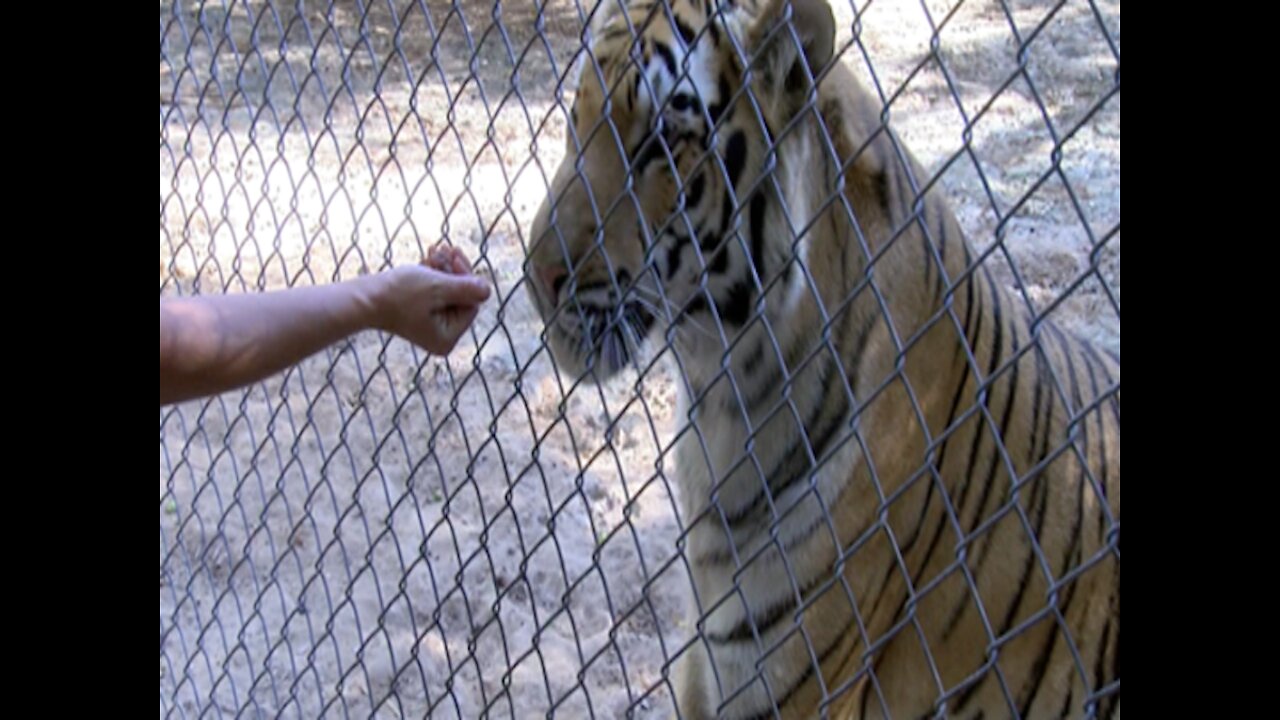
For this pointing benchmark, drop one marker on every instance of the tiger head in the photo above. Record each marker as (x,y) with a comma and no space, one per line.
(649,226)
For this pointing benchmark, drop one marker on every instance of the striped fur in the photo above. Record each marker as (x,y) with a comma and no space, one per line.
(902,492)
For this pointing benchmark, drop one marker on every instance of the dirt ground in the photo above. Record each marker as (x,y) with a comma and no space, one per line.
(381,533)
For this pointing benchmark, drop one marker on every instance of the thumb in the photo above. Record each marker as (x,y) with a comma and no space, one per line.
(463,290)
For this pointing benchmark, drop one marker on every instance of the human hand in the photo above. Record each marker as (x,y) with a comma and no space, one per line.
(433,303)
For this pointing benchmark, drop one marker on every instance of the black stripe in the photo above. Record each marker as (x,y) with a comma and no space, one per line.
(694,196)
(1039,380)
(926,257)
(1099,678)
(1066,346)
(1014,387)
(1039,509)
(905,204)
(752,363)
(940,285)
(647,320)
(720,258)
(1088,358)
(955,406)
(1038,451)
(668,58)
(964,380)
(974,454)
(684,101)
(613,33)
(966,479)
(997,346)
(799,682)
(648,150)
(736,307)
(735,157)
(757,233)
(1066,701)
(726,217)
(1103,473)
(1092,351)
(717,108)
(794,463)
(896,200)
(1111,380)
(682,240)
(881,181)
(1039,668)
(970,318)
(713,243)
(989,540)
(818,431)
(674,257)
(1084,436)
(1074,375)
(1044,381)
(944,238)
(756,228)
(823,421)
(698,303)
(686,32)
(743,630)
(1084,465)
(767,388)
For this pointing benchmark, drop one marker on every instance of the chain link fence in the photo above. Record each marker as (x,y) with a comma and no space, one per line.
(378,533)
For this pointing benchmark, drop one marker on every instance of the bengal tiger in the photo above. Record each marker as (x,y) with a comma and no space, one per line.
(899,487)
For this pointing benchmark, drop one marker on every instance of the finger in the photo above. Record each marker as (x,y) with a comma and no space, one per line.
(441,255)
(463,290)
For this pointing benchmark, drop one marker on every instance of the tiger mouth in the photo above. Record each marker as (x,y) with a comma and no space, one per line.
(605,339)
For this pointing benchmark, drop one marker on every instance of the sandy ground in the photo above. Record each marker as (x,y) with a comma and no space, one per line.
(378,532)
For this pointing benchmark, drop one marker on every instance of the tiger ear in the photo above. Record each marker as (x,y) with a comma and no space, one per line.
(604,13)
(773,46)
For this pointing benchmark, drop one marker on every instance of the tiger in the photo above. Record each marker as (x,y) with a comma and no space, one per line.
(898,485)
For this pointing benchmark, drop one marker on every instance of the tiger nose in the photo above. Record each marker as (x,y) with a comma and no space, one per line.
(552,277)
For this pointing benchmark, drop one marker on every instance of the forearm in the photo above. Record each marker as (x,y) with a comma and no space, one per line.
(211,344)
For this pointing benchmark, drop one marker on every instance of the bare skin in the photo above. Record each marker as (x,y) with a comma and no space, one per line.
(211,344)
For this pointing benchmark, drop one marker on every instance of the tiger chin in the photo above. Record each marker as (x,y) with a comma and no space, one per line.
(903,495)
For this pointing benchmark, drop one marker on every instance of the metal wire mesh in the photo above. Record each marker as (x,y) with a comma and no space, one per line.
(380,533)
